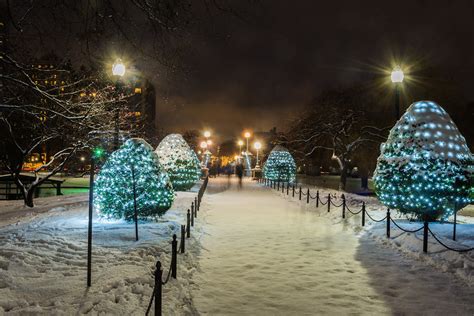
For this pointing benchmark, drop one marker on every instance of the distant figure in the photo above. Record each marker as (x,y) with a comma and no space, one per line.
(213,171)
(239,171)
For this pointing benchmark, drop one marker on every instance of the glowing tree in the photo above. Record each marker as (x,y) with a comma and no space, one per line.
(280,165)
(133,171)
(179,160)
(425,166)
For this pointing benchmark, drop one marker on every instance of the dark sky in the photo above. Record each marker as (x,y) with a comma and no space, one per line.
(259,66)
(258,71)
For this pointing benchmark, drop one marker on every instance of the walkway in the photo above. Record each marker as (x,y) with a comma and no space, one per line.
(264,255)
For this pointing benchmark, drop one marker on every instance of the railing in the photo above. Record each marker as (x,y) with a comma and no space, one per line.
(330,201)
(157,295)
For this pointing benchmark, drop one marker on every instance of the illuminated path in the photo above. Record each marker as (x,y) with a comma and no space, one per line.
(263,255)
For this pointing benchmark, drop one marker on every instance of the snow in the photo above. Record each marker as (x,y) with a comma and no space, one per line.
(43,262)
(410,244)
(252,251)
(275,255)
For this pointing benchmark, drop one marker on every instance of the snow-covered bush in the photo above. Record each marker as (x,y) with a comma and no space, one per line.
(425,165)
(133,166)
(180,161)
(280,165)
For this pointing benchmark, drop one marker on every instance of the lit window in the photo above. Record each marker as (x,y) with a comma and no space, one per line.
(138,90)
(138,113)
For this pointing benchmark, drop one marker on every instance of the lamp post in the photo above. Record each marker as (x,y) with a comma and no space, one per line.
(397,78)
(247,136)
(257,146)
(203,146)
(118,71)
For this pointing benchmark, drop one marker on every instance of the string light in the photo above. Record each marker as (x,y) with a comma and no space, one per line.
(180,161)
(280,165)
(134,162)
(417,172)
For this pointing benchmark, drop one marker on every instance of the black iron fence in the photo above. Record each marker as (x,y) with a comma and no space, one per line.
(340,202)
(191,215)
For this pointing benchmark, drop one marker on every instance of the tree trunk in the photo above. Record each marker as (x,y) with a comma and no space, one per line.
(343,178)
(28,197)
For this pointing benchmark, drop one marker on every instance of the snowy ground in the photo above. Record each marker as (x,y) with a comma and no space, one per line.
(265,255)
(411,244)
(43,261)
(253,252)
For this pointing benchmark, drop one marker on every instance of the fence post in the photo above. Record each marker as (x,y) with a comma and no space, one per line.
(388,223)
(192,207)
(425,237)
(300,193)
(183,238)
(192,217)
(317,199)
(329,203)
(363,213)
(158,289)
(307,196)
(174,256)
(293,190)
(188,225)
(343,206)
(454,227)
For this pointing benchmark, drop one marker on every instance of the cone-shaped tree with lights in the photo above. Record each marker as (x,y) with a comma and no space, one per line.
(132,174)
(179,161)
(280,165)
(425,166)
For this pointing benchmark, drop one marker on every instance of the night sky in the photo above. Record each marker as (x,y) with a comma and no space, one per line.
(258,71)
(259,65)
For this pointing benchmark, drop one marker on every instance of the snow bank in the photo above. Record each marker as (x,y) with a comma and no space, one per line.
(410,244)
(43,263)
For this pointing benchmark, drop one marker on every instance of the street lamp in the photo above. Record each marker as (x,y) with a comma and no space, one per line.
(257,146)
(118,71)
(207,134)
(397,78)
(247,136)
(240,143)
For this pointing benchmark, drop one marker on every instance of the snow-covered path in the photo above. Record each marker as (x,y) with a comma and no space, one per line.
(264,255)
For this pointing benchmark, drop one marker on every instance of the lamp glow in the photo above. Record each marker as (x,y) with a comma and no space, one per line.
(118,68)
(207,134)
(203,145)
(257,145)
(397,75)
(247,134)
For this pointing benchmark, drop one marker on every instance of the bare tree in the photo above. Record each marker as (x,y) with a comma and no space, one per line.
(33,115)
(337,122)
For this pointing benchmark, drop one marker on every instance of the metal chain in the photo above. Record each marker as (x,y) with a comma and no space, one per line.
(406,230)
(168,277)
(353,213)
(447,247)
(334,204)
(375,220)
(151,302)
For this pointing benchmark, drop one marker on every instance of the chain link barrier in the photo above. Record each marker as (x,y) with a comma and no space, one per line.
(375,220)
(447,247)
(405,230)
(321,202)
